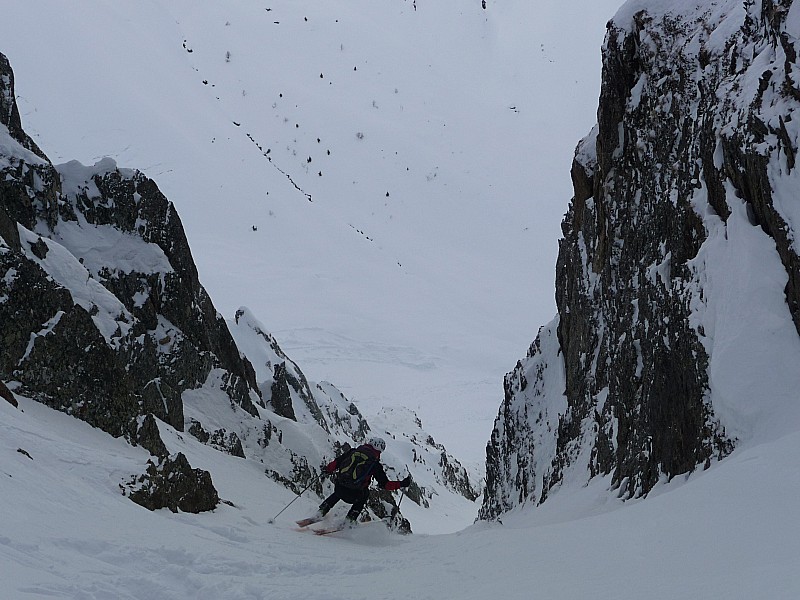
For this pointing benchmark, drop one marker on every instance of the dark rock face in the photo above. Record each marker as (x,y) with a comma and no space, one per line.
(173,484)
(220,439)
(520,452)
(9,113)
(680,135)
(6,395)
(103,335)
(456,477)
(149,438)
(30,185)
(192,332)
(288,379)
(281,401)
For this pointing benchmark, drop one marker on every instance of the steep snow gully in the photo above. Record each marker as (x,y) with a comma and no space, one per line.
(338,169)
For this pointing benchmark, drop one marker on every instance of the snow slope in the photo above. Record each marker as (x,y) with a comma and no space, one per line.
(68,532)
(443,133)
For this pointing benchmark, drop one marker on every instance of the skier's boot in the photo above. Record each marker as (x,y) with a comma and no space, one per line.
(315,518)
(351,520)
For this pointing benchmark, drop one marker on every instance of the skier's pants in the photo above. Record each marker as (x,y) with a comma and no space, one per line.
(358,498)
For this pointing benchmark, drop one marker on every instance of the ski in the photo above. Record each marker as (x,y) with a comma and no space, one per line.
(309,521)
(328,530)
(347,525)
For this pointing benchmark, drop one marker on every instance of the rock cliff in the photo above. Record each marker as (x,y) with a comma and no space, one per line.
(103,313)
(692,162)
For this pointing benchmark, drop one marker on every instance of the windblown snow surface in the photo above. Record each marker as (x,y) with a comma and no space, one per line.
(467,119)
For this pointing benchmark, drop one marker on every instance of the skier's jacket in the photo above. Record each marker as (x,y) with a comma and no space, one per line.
(358,466)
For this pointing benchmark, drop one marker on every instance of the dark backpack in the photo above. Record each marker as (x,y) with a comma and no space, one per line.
(355,469)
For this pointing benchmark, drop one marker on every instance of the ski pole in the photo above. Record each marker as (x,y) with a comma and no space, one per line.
(396,510)
(272,520)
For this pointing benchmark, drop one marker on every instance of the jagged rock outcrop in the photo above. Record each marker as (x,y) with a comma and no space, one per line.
(695,137)
(149,437)
(179,337)
(6,395)
(102,314)
(220,439)
(173,484)
(283,385)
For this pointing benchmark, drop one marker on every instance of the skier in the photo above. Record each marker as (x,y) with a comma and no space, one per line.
(356,468)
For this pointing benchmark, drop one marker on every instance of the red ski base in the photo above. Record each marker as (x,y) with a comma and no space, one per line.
(327,530)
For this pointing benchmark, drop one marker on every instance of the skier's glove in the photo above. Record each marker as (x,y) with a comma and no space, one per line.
(406,482)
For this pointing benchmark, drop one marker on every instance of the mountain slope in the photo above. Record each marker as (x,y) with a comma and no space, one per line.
(676,339)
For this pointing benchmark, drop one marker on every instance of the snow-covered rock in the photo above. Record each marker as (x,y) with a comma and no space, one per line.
(103,313)
(173,484)
(677,278)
